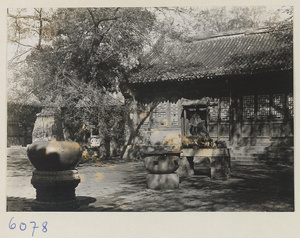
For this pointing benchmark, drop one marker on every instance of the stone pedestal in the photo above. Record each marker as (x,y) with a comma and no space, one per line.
(55,177)
(162,181)
(185,168)
(220,168)
(162,166)
(55,190)
(214,160)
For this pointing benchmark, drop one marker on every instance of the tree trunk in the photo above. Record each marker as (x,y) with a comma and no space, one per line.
(107,146)
(134,131)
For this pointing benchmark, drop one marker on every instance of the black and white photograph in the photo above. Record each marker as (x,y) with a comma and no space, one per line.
(186,112)
(150,109)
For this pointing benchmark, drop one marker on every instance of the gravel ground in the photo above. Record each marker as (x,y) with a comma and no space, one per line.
(122,187)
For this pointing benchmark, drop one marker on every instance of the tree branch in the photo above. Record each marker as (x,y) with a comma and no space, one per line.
(93,19)
(27,17)
(96,23)
(134,132)
(19,43)
(18,56)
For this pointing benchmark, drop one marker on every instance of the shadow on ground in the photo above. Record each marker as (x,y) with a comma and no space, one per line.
(17,204)
(250,188)
(24,204)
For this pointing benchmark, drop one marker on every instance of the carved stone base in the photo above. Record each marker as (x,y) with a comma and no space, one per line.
(202,166)
(185,168)
(220,168)
(218,159)
(162,181)
(55,190)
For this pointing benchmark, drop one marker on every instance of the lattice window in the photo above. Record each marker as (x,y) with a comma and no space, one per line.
(278,106)
(174,114)
(214,110)
(225,104)
(146,123)
(248,107)
(160,114)
(263,106)
(147,120)
(291,105)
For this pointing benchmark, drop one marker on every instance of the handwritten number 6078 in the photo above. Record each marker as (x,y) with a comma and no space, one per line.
(23,226)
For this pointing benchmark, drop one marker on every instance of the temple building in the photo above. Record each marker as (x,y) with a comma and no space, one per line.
(237,87)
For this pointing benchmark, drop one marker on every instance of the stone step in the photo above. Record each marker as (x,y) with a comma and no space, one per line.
(288,148)
(246,162)
(288,139)
(282,144)
(260,150)
(243,158)
(250,149)
(241,154)
(247,154)
(259,156)
(256,160)
(280,152)
(271,152)
(257,143)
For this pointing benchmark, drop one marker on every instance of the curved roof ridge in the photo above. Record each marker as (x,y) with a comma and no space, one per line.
(230,34)
(244,53)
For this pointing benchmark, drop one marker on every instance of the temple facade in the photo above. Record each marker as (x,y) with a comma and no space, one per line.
(236,88)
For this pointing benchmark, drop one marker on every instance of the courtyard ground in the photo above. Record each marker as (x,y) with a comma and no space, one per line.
(118,186)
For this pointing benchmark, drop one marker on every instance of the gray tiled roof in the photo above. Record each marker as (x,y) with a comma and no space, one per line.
(236,54)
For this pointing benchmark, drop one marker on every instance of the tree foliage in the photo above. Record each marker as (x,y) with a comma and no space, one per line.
(75,55)
(89,52)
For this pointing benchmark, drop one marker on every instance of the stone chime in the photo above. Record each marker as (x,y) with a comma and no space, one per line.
(161,167)
(55,177)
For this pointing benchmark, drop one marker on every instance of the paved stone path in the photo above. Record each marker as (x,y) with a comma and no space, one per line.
(121,187)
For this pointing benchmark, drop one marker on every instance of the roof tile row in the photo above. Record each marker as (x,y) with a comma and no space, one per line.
(235,54)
